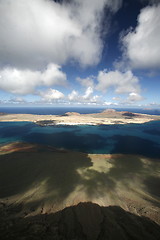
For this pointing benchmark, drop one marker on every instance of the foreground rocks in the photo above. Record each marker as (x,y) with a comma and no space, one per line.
(86,221)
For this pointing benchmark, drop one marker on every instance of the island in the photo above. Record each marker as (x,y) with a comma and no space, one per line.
(108,116)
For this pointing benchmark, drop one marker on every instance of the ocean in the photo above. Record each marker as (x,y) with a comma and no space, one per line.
(62,110)
(141,139)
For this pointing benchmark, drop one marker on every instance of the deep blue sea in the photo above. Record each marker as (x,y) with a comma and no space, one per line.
(62,110)
(143,139)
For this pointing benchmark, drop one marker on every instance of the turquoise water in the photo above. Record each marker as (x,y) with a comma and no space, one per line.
(143,139)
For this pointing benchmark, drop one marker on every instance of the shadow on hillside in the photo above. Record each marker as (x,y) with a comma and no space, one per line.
(125,170)
(128,168)
(86,221)
(153,186)
(53,173)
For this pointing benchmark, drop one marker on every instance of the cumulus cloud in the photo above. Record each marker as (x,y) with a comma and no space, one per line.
(25,81)
(87,98)
(73,96)
(43,31)
(134,97)
(125,84)
(51,95)
(130,99)
(88,93)
(86,82)
(122,82)
(141,46)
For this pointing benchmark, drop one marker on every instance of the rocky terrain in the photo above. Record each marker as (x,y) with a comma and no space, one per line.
(86,221)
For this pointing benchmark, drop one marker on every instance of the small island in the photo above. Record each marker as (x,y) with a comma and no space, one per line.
(109,116)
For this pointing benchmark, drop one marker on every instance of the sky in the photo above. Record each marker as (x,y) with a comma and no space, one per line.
(94,53)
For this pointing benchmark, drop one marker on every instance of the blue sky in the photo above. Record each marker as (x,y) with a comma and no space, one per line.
(101,53)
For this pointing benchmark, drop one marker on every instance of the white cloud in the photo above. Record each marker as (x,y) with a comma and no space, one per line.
(122,82)
(25,81)
(88,93)
(130,99)
(142,46)
(53,75)
(36,33)
(51,95)
(86,98)
(110,104)
(95,99)
(86,82)
(73,96)
(134,97)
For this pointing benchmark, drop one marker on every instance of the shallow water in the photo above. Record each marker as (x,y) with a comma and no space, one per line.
(143,139)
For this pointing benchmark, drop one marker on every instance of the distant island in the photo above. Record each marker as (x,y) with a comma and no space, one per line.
(108,116)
